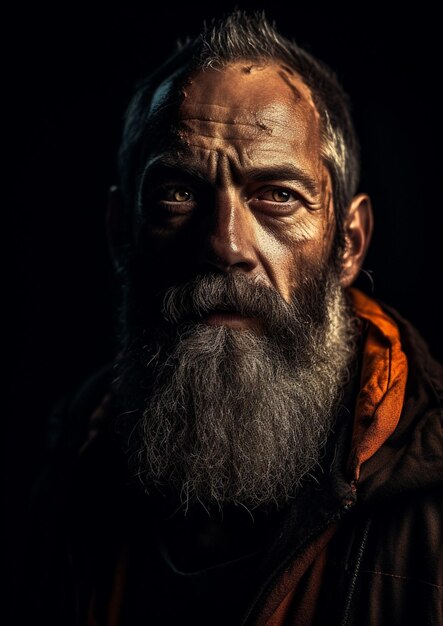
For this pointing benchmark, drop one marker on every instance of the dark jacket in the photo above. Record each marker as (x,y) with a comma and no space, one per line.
(361,545)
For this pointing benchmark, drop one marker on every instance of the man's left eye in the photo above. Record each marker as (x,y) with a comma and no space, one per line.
(277,195)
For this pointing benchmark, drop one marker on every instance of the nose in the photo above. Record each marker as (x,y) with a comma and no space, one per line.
(230,237)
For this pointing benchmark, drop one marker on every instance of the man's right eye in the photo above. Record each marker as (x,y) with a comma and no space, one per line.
(175,194)
(172,204)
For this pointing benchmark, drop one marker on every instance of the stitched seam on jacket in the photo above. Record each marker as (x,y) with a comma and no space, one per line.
(410,578)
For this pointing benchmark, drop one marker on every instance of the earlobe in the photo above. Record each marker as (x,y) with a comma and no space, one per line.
(358,231)
(117,224)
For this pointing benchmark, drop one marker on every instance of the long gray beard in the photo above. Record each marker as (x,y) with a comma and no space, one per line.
(230,416)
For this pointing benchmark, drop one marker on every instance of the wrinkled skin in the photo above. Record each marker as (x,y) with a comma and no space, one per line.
(240,186)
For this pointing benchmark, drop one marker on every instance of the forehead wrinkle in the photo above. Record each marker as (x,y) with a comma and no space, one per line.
(248,131)
(194,123)
(230,108)
(209,120)
(205,165)
(267,117)
(261,121)
(247,152)
(224,138)
(235,115)
(216,163)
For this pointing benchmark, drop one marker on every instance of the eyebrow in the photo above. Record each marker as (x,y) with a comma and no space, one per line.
(284,172)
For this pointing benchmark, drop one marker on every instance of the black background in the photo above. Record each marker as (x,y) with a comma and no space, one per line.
(71,71)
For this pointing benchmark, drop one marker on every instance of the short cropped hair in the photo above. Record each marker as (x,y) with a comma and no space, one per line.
(251,37)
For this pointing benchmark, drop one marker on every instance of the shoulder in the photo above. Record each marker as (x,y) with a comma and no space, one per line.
(385,564)
(401,574)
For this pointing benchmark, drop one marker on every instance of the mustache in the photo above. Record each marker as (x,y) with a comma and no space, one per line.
(193,300)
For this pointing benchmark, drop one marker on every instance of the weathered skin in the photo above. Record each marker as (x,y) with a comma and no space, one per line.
(221,195)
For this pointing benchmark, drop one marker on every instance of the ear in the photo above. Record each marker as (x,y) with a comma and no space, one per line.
(359,224)
(117,224)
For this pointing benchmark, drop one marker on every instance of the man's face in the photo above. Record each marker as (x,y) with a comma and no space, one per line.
(239,186)
(236,335)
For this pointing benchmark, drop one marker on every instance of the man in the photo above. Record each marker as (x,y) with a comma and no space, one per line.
(266,447)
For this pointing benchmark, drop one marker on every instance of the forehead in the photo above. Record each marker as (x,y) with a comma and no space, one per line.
(246,113)
(269,92)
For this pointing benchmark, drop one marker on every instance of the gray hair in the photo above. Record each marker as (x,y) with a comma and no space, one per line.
(251,37)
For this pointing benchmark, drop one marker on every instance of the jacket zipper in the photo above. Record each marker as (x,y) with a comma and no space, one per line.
(353,582)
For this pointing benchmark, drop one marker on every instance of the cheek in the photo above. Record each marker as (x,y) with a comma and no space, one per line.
(291,252)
